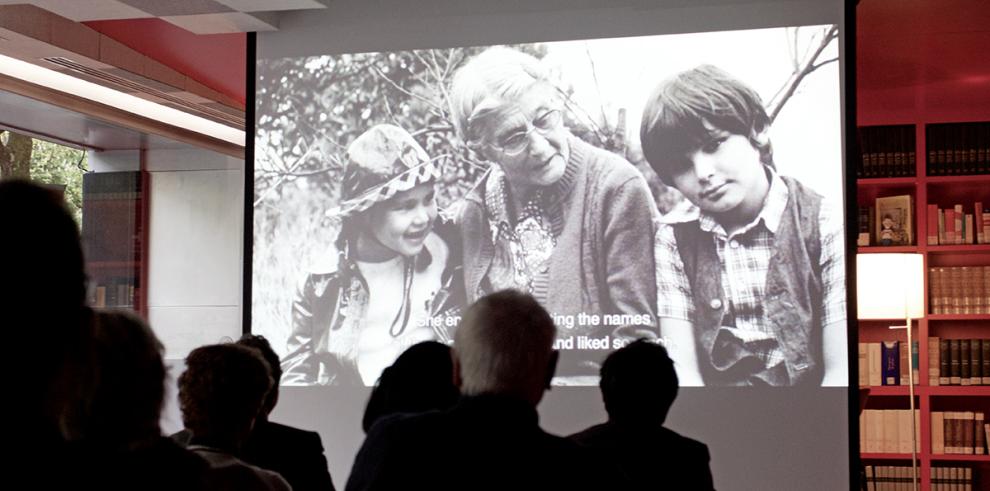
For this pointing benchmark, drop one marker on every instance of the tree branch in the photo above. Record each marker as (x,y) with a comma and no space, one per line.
(398,87)
(795,80)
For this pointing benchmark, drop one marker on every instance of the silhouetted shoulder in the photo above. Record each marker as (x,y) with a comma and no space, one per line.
(294,453)
(652,458)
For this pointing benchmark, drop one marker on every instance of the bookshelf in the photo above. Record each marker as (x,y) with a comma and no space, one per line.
(952,169)
(114,237)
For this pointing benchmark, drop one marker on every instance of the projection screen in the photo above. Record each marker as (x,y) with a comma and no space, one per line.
(611,170)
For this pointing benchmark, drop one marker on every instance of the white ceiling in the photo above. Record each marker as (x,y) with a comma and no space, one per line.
(197,16)
(51,122)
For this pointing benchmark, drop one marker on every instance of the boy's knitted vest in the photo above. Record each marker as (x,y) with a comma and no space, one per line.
(793,301)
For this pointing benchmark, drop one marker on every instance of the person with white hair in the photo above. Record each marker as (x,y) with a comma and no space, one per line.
(554,216)
(503,362)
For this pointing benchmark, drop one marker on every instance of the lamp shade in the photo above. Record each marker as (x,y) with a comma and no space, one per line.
(890,286)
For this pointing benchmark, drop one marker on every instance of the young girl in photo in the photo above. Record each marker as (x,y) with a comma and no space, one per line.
(389,277)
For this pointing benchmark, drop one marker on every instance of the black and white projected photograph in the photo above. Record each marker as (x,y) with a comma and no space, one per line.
(685,188)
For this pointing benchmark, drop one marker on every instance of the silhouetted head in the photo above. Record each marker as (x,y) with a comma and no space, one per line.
(504,345)
(42,260)
(421,379)
(261,344)
(222,392)
(126,386)
(638,383)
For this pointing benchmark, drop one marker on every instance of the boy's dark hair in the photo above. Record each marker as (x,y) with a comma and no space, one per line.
(674,116)
(638,383)
(222,390)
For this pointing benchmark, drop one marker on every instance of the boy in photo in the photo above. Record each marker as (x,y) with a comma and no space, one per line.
(751,278)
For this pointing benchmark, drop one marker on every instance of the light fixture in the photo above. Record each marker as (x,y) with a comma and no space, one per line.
(61,82)
(891,286)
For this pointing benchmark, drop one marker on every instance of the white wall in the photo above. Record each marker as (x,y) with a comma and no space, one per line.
(195,248)
(114,160)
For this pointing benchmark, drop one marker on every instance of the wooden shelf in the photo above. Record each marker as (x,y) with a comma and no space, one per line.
(886,181)
(958,457)
(959,390)
(887,249)
(956,249)
(893,390)
(888,456)
(933,391)
(956,179)
(958,317)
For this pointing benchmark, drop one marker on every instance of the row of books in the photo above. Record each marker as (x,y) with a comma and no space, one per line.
(959,290)
(959,432)
(889,222)
(889,477)
(952,479)
(885,363)
(955,226)
(958,149)
(113,292)
(888,431)
(886,151)
(958,361)
(950,362)
(898,478)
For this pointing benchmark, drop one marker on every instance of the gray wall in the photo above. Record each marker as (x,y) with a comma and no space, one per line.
(195,245)
(759,440)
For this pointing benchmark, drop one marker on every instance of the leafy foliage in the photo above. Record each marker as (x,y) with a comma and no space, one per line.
(46,163)
(56,164)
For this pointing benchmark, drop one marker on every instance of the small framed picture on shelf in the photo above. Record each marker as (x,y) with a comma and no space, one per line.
(894,221)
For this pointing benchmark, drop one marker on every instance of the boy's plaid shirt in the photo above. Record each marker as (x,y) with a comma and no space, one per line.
(745,262)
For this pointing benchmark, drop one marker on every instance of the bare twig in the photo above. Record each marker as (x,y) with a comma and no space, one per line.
(433,128)
(826,62)
(578,110)
(398,87)
(302,158)
(594,76)
(799,74)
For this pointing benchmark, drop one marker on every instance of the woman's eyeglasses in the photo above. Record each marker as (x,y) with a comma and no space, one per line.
(518,141)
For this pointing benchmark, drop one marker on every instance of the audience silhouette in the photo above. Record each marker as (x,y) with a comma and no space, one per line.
(42,297)
(295,454)
(503,362)
(638,385)
(115,426)
(92,409)
(221,394)
(421,379)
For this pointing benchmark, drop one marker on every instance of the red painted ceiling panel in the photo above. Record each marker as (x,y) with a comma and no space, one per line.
(215,60)
(926,58)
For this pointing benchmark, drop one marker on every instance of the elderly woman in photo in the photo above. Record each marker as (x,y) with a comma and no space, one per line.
(555,217)
(389,278)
